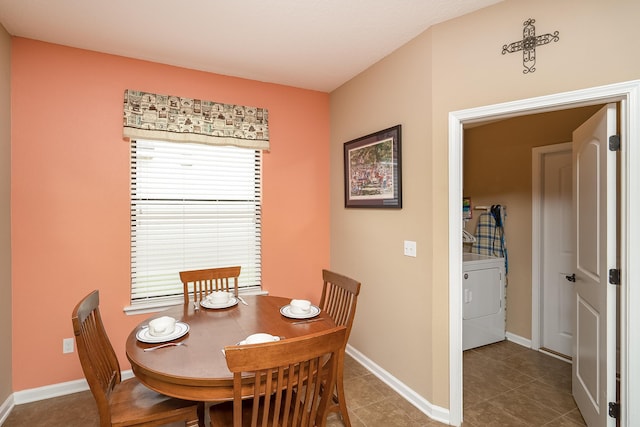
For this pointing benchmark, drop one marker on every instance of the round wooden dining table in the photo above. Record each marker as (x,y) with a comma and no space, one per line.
(197,369)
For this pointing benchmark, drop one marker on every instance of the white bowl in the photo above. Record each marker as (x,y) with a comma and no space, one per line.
(260,338)
(300,306)
(162,326)
(219,297)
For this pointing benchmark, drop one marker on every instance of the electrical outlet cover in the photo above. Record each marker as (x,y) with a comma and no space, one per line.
(67,345)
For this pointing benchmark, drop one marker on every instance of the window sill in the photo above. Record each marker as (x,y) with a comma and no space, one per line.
(154,307)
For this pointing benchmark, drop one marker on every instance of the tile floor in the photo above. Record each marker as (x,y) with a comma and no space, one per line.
(504,385)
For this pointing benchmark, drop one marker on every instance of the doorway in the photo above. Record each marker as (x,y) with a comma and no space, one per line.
(497,163)
(628,95)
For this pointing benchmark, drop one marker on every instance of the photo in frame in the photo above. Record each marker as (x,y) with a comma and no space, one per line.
(373,171)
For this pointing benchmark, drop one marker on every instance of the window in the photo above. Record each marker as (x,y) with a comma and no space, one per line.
(192,206)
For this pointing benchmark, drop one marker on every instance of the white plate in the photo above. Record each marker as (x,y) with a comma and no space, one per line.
(313,312)
(244,342)
(180,331)
(208,304)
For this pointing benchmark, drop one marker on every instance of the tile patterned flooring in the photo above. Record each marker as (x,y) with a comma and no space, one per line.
(504,385)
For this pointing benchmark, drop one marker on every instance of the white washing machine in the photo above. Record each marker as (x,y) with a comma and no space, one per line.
(484,300)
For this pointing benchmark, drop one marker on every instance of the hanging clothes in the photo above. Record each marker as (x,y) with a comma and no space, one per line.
(490,235)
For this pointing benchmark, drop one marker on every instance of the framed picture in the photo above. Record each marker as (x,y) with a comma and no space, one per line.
(372,170)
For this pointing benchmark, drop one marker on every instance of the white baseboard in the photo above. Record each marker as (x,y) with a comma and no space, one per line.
(49,391)
(433,411)
(6,408)
(55,390)
(525,342)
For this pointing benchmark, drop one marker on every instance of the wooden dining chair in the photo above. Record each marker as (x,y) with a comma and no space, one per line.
(121,403)
(208,280)
(287,378)
(339,300)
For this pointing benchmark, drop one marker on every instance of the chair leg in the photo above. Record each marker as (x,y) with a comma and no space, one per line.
(201,409)
(342,402)
(338,401)
(339,397)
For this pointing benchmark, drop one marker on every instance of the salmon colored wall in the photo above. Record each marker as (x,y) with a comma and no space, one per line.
(5,215)
(70,192)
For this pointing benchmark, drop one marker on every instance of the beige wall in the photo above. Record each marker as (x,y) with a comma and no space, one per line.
(367,244)
(497,170)
(5,215)
(402,320)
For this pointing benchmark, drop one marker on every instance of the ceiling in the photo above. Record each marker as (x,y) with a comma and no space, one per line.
(310,44)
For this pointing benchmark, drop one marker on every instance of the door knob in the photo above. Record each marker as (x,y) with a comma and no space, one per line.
(571,278)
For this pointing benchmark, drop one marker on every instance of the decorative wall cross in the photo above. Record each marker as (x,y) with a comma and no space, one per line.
(528,45)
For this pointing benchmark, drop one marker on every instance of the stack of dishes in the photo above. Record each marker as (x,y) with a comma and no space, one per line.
(219,299)
(162,329)
(300,309)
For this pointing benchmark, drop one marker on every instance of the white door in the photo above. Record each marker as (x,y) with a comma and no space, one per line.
(558,254)
(594,205)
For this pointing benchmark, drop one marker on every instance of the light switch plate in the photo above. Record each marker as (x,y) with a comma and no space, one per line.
(410,248)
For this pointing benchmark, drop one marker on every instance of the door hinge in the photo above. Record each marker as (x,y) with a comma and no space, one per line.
(614,276)
(614,143)
(614,409)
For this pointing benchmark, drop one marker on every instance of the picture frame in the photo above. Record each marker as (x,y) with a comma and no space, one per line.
(373,170)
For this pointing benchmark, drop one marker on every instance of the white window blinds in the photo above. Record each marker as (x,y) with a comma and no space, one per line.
(193,206)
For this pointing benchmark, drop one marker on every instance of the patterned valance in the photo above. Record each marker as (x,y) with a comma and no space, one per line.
(177,119)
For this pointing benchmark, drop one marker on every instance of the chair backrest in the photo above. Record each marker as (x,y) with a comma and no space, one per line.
(209,280)
(339,298)
(289,377)
(97,357)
